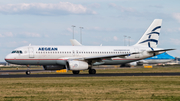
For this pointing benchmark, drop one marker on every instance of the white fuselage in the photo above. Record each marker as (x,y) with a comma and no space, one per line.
(58,55)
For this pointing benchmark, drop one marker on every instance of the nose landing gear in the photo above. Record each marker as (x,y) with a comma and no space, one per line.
(28,72)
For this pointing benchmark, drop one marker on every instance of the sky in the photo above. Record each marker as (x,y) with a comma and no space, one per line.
(106,22)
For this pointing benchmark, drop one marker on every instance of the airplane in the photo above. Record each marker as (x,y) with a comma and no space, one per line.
(76,58)
(161,58)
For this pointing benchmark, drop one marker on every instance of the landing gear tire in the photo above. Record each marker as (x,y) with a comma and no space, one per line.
(28,72)
(75,72)
(92,71)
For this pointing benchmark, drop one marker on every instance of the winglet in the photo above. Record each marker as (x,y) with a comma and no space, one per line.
(74,42)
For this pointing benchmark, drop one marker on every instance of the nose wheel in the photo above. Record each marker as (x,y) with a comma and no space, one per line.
(28,72)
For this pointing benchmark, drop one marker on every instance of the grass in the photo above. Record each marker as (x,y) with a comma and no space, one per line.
(91,88)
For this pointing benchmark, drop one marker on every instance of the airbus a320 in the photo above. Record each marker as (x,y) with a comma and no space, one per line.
(81,57)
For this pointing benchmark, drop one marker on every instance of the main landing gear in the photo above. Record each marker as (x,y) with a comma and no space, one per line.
(92,71)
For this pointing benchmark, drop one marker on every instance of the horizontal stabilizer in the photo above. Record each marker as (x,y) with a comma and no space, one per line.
(163,50)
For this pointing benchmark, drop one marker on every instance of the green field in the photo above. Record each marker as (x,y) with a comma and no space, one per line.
(130,88)
(164,88)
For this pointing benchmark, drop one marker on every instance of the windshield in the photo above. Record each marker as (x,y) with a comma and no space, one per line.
(17,51)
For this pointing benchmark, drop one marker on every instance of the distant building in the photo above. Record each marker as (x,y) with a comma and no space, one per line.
(3,63)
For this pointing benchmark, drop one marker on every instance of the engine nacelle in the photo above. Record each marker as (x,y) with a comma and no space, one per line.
(141,62)
(53,67)
(78,65)
(133,64)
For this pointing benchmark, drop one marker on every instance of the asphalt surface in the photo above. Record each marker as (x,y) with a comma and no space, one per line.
(20,71)
(9,74)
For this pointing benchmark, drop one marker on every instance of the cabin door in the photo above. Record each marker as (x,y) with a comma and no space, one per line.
(31,52)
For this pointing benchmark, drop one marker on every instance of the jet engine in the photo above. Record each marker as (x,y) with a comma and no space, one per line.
(53,67)
(133,64)
(77,65)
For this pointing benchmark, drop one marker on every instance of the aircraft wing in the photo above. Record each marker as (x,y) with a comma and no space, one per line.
(163,50)
(104,57)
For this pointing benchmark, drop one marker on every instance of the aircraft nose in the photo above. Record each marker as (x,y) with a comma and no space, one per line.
(8,57)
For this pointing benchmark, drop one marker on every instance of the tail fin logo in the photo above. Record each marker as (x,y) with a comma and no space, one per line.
(149,37)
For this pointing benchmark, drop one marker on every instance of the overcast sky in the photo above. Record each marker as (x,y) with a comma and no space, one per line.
(48,22)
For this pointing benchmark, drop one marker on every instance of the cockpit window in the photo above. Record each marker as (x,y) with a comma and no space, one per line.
(13,52)
(17,51)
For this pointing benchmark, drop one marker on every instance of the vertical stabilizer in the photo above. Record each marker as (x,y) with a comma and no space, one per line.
(151,36)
